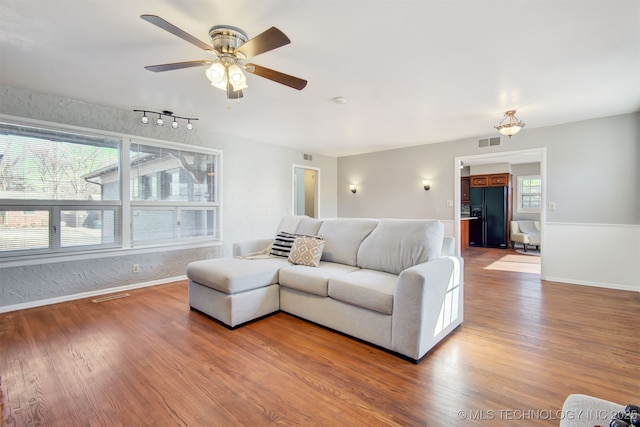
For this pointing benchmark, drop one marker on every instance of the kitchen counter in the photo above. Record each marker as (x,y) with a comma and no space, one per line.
(464,230)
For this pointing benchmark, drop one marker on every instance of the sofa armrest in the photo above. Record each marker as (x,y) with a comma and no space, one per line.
(427,305)
(580,410)
(448,246)
(251,246)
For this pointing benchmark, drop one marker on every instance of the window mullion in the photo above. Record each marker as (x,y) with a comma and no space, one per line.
(54,228)
(125,192)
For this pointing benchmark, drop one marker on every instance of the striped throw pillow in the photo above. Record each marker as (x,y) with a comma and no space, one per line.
(282,244)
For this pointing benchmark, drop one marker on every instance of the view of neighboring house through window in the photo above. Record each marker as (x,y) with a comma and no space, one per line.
(529,193)
(61,191)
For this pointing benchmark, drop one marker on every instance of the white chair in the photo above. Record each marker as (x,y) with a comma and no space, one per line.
(525,232)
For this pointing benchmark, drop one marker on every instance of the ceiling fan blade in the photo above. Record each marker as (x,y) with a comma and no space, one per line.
(167,26)
(263,42)
(177,65)
(277,76)
(233,94)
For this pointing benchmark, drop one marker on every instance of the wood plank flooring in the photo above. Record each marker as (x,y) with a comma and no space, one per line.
(148,360)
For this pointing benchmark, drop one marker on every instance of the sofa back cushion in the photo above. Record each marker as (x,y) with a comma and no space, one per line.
(309,226)
(342,238)
(398,244)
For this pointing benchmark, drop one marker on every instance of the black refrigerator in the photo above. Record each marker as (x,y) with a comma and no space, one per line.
(489,205)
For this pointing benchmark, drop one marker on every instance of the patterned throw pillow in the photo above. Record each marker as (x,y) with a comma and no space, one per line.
(282,244)
(307,251)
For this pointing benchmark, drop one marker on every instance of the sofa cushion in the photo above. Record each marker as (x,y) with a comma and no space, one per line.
(306,250)
(309,226)
(365,288)
(232,275)
(313,280)
(342,238)
(398,244)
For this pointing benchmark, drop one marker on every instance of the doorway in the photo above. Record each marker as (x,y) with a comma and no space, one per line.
(513,158)
(306,188)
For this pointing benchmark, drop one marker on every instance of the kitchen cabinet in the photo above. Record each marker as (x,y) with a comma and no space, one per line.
(465,189)
(464,234)
(491,180)
(480,181)
(499,180)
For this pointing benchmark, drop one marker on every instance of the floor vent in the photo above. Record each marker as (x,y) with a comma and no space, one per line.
(489,142)
(109,298)
(307,157)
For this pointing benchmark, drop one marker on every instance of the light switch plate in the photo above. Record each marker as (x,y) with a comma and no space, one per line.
(552,206)
(450,203)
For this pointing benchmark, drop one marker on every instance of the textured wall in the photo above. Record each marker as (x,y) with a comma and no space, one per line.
(256,190)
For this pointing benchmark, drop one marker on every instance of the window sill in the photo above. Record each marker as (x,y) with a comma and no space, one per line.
(20,261)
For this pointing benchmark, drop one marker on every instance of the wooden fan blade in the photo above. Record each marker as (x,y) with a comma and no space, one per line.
(263,42)
(231,94)
(167,26)
(177,65)
(277,76)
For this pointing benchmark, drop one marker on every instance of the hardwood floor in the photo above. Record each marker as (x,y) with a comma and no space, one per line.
(148,360)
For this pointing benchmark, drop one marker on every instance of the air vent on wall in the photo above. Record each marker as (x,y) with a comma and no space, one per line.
(489,142)
(308,157)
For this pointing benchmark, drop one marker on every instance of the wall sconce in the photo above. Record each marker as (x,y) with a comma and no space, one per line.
(425,183)
(353,188)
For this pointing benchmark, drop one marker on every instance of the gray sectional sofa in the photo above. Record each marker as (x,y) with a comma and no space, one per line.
(393,283)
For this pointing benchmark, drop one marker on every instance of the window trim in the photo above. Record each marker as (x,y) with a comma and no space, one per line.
(519,193)
(124,204)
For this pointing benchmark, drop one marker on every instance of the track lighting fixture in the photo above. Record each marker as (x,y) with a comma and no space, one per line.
(160,121)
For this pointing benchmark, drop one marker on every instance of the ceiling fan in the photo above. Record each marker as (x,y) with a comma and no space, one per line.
(231,46)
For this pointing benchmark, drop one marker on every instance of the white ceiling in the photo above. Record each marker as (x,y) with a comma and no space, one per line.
(413,72)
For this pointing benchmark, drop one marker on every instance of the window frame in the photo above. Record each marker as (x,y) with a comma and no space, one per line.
(123,207)
(520,194)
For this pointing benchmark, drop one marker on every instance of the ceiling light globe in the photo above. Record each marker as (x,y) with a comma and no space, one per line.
(217,75)
(174,124)
(160,122)
(189,125)
(144,120)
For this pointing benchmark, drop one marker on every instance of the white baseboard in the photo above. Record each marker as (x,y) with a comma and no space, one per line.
(615,286)
(49,301)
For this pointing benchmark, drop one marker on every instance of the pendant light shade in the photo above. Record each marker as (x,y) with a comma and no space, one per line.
(510,124)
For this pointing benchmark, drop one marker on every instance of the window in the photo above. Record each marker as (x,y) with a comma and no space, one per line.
(529,194)
(63,191)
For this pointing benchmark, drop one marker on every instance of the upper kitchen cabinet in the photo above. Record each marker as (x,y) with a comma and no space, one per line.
(465,189)
(491,180)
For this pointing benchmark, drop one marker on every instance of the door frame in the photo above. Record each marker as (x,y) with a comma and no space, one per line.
(501,157)
(293,187)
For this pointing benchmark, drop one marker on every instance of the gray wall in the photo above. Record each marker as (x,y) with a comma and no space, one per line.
(591,174)
(257,192)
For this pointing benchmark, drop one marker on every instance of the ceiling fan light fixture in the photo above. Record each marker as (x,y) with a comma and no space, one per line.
(231,46)
(217,74)
(512,126)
